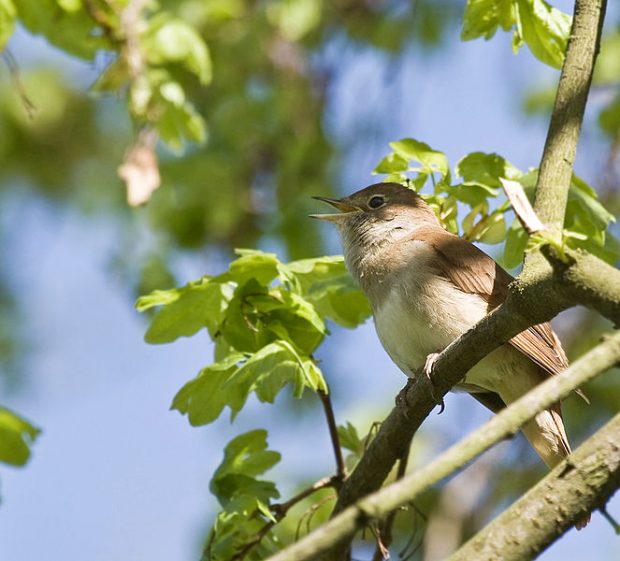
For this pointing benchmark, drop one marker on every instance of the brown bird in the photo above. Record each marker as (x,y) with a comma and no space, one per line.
(427,287)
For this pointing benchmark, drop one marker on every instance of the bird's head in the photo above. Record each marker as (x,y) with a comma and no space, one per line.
(377,214)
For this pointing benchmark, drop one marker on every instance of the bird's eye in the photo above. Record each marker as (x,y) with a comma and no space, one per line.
(376,201)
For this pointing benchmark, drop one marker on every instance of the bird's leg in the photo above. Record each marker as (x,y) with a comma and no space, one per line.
(427,370)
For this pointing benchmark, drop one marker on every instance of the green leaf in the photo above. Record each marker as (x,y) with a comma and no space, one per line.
(310,271)
(16,437)
(253,264)
(542,27)
(75,32)
(494,230)
(516,241)
(243,326)
(431,160)
(483,17)
(445,209)
(392,163)
(246,456)
(350,439)
(185,311)
(340,300)
(70,5)
(468,221)
(160,298)
(482,169)
(609,118)
(313,377)
(243,495)
(587,199)
(545,29)
(267,371)
(203,398)
(178,120)
(168,39)
(326,283)
(7,21)
(295,18)
(229,382)
(471,193)
(297,322)
(607,67)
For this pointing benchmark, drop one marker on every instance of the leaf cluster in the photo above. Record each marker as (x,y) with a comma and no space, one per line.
(266,318)
(543,28)
(478,190)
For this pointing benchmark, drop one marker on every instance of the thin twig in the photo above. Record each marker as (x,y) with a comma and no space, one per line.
(333,434)
(15,74)
(309,515)
(384,531)
(610,519)
(279,511)
(411,548)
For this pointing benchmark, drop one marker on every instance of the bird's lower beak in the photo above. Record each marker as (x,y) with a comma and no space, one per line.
(343,207)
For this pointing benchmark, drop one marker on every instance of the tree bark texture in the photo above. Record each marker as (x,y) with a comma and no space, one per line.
(582,483)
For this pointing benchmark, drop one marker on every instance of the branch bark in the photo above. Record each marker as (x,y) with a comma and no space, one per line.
(587,280)
(583,482)
(341,529)
(556,166)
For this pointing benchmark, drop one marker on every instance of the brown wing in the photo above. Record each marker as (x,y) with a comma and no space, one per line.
(473,271)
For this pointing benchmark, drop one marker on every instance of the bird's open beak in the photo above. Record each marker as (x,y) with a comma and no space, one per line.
(343,207)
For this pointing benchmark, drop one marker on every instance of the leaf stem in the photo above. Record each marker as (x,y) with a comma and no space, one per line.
(333,434)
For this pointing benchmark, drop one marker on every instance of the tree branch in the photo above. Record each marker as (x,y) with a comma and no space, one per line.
(556,166)
(583,482)
(341,529)
(587,280)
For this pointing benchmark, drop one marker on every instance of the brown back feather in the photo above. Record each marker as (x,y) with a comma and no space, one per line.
(473,271)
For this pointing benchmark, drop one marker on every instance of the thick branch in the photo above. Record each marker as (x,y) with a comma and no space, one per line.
(342,528)
(587,280)
(579,485)
(556,166)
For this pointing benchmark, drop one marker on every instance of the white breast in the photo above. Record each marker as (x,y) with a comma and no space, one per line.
(423,312)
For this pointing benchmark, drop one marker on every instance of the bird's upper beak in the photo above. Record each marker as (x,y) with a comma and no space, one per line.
(342,206)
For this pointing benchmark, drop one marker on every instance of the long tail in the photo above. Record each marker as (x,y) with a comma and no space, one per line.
(547,435)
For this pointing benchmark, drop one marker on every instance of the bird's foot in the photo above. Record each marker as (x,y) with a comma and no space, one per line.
(427,370)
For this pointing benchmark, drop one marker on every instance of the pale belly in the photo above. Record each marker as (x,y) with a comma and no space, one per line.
(425,318)
(411,325)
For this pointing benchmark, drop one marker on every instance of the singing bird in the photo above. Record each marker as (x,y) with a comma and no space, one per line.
(427,286)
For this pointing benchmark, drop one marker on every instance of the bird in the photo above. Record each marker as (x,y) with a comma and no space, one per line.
(427,286)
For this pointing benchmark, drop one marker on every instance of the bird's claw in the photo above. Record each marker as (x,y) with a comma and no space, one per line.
(427,370)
